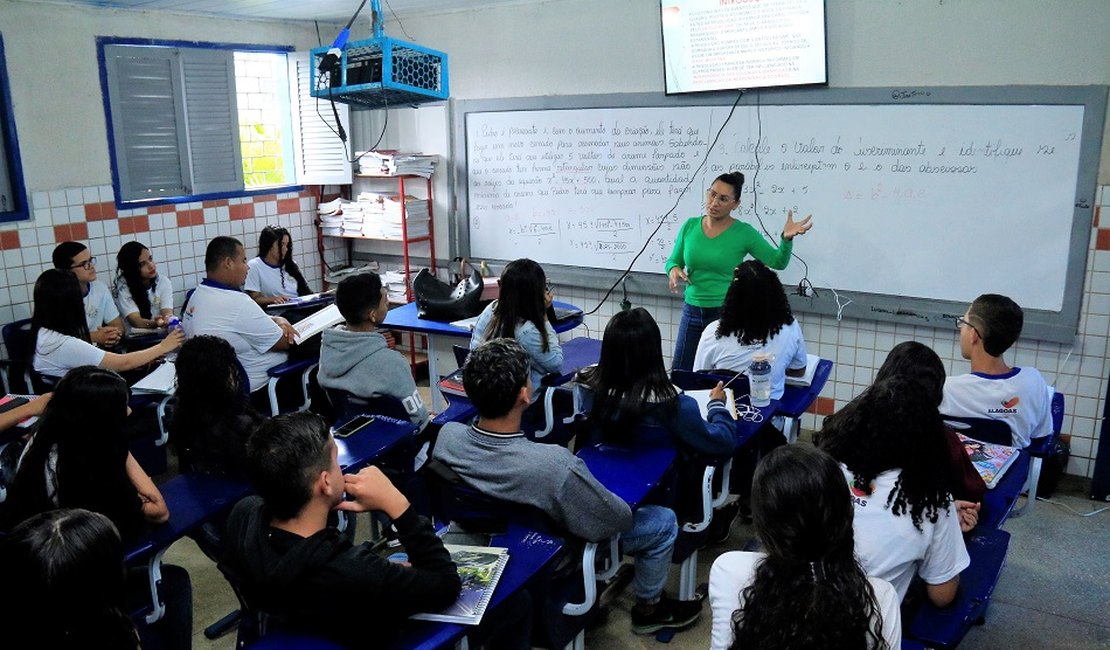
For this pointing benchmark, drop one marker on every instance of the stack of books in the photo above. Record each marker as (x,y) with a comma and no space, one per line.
(389,162)
(382,219)
(395,286)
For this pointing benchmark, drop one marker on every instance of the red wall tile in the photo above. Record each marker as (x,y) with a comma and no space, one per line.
(9,239)
(92,212)
(288,206)
(108,210)
(1102,242)
(141,223)
(61,233)
(823,406)
(79,231)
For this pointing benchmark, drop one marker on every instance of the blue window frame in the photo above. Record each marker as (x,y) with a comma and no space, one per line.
(13,193)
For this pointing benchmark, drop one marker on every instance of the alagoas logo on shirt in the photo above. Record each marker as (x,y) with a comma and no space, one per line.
(860,492)
(1008,406)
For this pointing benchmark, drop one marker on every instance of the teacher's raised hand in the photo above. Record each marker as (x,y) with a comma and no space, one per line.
(791,230)
(675,275)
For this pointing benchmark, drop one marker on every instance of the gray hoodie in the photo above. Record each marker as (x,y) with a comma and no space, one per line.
(362,364)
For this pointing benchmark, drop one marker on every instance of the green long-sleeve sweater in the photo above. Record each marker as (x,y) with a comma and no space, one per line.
(709,262)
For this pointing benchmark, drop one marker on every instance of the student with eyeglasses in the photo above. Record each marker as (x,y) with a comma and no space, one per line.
(1019,396)
(144,297)
(104,322)
(706,251)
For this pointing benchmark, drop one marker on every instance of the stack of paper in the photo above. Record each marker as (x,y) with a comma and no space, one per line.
(395,286)
(382,217)
(395,163)
(337,274)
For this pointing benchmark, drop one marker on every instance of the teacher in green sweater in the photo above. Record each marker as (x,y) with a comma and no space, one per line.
(705,253)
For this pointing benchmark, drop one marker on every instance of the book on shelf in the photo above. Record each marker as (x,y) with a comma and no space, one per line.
(318,322)
(811,369)
(990,460)
(452,384)
(480,568)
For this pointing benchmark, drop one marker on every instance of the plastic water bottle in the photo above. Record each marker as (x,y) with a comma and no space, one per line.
(760,379)
(172,322)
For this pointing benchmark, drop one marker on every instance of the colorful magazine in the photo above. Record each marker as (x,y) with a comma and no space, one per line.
(990,460)
(480,568)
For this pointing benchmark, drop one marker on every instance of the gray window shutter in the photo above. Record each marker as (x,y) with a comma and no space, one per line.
(319,156)
(147,121)
(215,159)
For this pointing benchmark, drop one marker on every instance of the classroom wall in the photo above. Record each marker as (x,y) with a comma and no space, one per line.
(575,47)
(59,114)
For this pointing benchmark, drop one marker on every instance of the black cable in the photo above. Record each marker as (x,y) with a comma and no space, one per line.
(674,207)
(804,282)
(399,23)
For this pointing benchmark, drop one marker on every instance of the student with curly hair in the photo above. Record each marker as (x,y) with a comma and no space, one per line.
(66,568)
(755,318)
(918,362)
(213,416)
(273,277)
(806,590)
(144,297)
(891,448)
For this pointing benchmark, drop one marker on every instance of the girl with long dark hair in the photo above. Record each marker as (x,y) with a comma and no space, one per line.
(213,416)
(273,277)
(629,386)
(806,589)
(78,458)
(61,334)
(520,312)
(890,444)
(755,318)
(918,362)
(64,569)
(144,297)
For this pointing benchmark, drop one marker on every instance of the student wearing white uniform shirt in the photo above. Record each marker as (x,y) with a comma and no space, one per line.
(806,590)
(102,318)
(755,318)
(1020,397)
(890,443)
(273,277)
(144,297)
(219,308)
(61,333)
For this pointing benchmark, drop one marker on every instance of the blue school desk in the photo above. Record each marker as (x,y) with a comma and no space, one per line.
(406,319)
(630,472)
(372,442)
(530,556)
(193,500)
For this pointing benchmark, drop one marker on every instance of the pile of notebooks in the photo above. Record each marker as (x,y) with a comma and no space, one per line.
(394,163)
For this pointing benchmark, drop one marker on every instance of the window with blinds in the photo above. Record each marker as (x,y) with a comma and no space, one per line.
(207,122)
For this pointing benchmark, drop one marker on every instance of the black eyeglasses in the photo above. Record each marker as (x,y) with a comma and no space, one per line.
(961,321)
(87,264)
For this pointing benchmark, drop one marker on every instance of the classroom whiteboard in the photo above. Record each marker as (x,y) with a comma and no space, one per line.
(929,203)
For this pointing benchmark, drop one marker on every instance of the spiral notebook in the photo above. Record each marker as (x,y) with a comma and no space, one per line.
(480,568)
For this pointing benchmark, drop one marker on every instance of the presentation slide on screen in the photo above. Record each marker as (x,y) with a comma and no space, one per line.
(737,44)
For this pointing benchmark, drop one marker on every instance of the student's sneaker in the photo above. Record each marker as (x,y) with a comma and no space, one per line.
(666,613)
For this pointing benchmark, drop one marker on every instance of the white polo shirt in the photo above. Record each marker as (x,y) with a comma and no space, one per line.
(56,354)
(787,350)
(1021,398)
(266,279)
(160,296)
(99,306)
(232,315)
(890,547)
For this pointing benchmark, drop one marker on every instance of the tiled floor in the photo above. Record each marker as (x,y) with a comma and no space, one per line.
(1042,601)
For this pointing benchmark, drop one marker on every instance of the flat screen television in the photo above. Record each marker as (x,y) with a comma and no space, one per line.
(739,44)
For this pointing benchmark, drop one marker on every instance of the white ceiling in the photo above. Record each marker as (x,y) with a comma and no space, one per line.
(322,10)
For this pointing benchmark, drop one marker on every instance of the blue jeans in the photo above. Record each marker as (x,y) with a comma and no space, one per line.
(694,320)
(651,543)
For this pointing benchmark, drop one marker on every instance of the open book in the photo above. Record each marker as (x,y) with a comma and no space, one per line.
(300,301)
(811,369)
(702,398)
(316,323)
(990,460)
(480,568)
